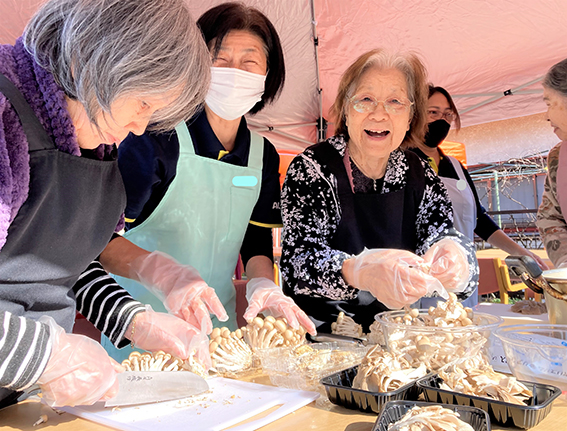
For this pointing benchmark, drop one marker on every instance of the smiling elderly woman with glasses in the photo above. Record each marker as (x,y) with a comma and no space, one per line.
(368,226)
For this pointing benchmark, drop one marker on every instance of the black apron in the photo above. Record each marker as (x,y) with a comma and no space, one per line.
(72,209)
(371,220)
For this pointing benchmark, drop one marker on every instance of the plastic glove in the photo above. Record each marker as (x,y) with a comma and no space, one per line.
(182,290)
(449,264)
(79,371)
(394,277)
(263,294)
(153,331)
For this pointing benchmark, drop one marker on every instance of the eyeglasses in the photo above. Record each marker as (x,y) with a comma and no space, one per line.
(436,114)
(393,105)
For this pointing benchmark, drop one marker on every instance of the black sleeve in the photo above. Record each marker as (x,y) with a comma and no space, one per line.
(105,304)
(266,212)
(148,164)
(257,242)
(485,226)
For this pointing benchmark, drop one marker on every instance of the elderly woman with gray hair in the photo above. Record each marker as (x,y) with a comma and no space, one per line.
(85,73)
(551,213)
(367,225)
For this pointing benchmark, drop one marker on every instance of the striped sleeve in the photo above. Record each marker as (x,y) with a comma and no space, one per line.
(25,347)
(105,304)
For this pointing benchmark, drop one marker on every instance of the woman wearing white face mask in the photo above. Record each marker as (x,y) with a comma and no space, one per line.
(211,190)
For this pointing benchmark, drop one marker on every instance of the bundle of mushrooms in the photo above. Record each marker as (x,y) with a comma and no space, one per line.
(231,352)
(430,418)
(345,325)
(478,378)
(381,371)
(436,347)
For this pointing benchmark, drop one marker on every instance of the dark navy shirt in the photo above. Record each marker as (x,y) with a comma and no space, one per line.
(485,226)
(148,164)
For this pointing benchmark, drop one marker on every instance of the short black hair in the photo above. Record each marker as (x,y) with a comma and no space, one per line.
(217,22)
(436,89)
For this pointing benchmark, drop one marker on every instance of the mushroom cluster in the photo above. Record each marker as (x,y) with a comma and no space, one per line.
(437,338)
(482,381)
(345,325)
(381,371)
(229,352)
(271,332)
(161,361)
(431,418)
(158,361)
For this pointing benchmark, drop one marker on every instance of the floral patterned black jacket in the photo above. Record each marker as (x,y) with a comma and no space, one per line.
(311,215)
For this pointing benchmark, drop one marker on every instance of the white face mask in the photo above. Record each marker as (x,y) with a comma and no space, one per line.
(234,92)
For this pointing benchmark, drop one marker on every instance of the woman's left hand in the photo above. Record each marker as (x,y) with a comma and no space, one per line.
(449,264)
(154,331)
(263,294)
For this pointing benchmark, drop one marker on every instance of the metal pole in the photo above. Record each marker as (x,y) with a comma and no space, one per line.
(497,195)
(321,129)
(501,95)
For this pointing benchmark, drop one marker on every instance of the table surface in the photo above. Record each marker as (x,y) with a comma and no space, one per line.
(315,416)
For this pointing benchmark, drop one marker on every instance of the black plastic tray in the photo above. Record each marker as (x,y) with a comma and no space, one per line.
(394,410)
(340,392)
(500,412)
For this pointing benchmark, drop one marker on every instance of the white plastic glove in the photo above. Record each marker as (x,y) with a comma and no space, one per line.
(394,277)
(154,331)
(182,290)
(448,264)
(78,372)
(263,294)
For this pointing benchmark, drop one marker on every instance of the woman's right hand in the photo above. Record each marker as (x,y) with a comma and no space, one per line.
(78,372)
(393,277)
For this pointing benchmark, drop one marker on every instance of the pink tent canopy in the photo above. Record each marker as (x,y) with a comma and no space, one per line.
(478,49)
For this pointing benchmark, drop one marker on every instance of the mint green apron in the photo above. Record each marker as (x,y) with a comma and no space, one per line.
(201,221)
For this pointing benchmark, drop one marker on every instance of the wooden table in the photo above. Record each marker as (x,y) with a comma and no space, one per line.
(315,416)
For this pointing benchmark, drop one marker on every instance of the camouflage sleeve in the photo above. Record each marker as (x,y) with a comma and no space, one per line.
(550,221)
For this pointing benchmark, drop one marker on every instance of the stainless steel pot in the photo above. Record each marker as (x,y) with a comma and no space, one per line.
(552,283)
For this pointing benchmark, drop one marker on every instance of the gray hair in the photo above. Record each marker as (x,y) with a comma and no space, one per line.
(556,78)
(100,50)
(415,74)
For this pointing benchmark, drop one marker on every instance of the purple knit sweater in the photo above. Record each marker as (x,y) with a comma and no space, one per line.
(47,100)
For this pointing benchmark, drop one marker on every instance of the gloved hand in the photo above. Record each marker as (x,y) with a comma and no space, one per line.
(182,290)
(153,331)
(449,264)
(263,294)
(394,277)
(79,371)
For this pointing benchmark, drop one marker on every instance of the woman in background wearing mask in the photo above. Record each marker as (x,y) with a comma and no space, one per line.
(470,217)
(210,190)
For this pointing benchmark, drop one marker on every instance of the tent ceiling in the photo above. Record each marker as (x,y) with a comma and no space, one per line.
(469,46)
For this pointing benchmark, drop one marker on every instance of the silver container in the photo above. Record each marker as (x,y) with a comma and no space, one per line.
(556,308)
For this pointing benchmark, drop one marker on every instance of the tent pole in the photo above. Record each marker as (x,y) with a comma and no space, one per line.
(501,95)
(321,128)
(534,91)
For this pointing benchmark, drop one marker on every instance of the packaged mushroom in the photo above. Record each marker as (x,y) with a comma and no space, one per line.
(430,418)
(439,336)
(382,371)
(476,377)
(301,367)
